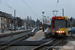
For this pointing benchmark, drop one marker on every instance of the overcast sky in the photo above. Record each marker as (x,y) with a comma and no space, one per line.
(37,6)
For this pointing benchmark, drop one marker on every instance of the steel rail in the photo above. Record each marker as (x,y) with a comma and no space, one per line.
(14,33)
(36,48)
(15,40)
(50,48)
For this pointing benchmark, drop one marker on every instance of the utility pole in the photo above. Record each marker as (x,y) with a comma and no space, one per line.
(30,22)
(27,24)
(43,20)
(24,24)
(2,24)
(37,23)
(71,23)
(63,12)
(11,27)
(45,26)
(14,20)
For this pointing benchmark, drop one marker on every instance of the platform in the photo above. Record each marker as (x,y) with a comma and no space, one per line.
(14,32)
(38,35)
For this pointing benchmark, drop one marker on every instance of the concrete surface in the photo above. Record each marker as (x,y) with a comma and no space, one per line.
(37,36)
(69,46)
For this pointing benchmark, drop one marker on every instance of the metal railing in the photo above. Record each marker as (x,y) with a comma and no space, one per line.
(33,31)
(47,32)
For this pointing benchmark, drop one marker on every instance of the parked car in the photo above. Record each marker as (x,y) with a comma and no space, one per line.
(19,28)
(11,28)
(28,27)
(7,28)
(31,27)
(23,27)
(16,27)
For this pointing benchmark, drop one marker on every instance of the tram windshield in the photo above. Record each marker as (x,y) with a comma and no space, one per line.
(60,24)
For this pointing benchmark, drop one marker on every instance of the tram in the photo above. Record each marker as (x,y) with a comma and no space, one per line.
(59,26)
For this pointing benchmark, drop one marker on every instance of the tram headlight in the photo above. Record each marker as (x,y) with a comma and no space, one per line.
(60,31)
(63,31)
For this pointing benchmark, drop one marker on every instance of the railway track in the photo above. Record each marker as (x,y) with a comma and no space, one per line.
(51,47)
(14,33)
(54,41)
(9,43)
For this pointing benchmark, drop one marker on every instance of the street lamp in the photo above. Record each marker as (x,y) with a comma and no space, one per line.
(14,20)
(54,12)
(43,16)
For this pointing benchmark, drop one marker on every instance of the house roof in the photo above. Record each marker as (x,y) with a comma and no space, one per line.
(5,15)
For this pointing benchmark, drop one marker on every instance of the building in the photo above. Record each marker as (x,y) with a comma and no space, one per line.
(19,21)
(5,20)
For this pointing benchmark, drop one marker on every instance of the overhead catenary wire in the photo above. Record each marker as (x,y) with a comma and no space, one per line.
(56,8)
(44,6)
(12,8)
(57,4)
(29,7)
(8,4)
(57,1)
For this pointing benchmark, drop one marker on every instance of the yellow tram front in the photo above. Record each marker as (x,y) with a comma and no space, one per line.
(59,26)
